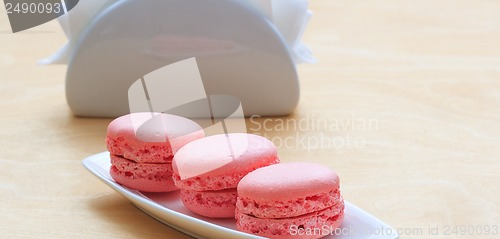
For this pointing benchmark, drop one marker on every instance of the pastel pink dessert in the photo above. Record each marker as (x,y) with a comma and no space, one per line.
(142,146)
(283,200)
(208,170)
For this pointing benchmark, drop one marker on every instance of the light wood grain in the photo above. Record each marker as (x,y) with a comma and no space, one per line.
(426,74)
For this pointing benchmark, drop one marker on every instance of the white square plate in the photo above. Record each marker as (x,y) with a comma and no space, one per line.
(168,209)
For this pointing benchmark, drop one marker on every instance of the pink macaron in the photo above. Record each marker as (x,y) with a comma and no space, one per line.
(208,170)
(288,200)
(142,146)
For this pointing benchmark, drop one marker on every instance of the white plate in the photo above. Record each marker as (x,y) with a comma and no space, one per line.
(168,208)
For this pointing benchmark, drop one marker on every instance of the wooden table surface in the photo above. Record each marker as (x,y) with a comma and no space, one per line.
(404,103)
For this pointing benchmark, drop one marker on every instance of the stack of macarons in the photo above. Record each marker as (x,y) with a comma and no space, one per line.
(234,175)
(142,146)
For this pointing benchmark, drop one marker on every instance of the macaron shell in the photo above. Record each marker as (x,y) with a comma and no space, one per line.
(150,137)
(142,176)
(290,208)
(221,182)
(285,228)
(213,204)
(289,181)
(220,161)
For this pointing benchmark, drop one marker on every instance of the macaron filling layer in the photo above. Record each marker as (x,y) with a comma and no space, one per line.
(289,208)
(135,170)
(147,177)
(219,203)
(145,153)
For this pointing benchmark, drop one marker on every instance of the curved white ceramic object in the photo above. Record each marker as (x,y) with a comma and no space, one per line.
(238,50)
